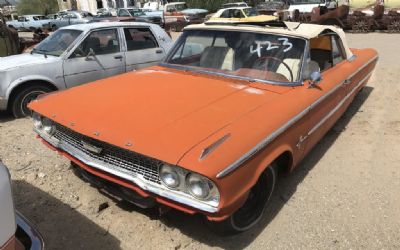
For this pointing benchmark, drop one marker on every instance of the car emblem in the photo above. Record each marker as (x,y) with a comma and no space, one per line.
(91,148)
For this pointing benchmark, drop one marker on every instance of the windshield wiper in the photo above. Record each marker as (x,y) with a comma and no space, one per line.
(40,50)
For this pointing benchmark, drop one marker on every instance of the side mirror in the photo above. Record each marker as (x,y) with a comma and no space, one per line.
(315,79)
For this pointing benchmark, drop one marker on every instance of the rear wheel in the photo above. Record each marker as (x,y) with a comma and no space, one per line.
(19,106)
(361,26)
(252,210)
(394,26)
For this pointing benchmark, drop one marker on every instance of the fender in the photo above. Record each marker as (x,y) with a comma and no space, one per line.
(28,78)
(265,162)
(258,164)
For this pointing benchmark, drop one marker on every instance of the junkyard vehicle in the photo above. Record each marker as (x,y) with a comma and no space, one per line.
(29,23)
(208,130)
(177,15)
(9,41)
(139,16)
(271,7)
(240,14)
(16,232)
(391,20)
(79,54)
(233,5)
(71,18)
(358,20)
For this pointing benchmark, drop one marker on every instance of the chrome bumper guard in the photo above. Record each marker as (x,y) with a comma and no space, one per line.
(155,188)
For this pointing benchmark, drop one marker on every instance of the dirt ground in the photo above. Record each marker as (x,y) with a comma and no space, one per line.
(344,195)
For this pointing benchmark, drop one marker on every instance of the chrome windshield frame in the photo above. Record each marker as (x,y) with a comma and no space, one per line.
(178,43)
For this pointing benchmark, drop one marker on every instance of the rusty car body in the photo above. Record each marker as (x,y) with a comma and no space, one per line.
(208,130)
(16,232)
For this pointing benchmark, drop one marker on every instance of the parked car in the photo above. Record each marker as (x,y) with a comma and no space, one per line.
(52,16)
(177,15)
(79,54)
(29,23)
(139,16)
(240,14)
(232,5)
(16,232)
(208,130)
(71,18)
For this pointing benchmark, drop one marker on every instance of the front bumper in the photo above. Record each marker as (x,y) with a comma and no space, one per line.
(27,234)
(135,182)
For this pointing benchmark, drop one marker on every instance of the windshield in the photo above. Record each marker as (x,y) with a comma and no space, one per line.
(180,7)
(250,12)
(254,56)
(136,12)
(57,43)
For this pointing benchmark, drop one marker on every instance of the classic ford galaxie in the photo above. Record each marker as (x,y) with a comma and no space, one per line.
(208,129)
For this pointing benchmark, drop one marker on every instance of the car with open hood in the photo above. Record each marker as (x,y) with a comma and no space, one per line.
(76,55)
(16,232)
(208,130)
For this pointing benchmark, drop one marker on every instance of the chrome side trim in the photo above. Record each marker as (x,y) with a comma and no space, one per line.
(161,190)
(282,129)
(34,235)
(208,150)
(319,124)
(261,145)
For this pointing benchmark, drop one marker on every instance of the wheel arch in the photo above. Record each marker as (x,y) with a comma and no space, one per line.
(16,88)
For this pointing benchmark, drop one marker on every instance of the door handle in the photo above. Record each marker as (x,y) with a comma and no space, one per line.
(118,57)
(347,81)
(159,51)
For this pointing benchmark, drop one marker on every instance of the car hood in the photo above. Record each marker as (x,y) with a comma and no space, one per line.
(156,112)
(23,60)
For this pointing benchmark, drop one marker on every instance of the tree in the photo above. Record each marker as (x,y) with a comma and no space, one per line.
(43,7)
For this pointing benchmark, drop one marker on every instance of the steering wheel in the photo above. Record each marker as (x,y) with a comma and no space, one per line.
(264,61)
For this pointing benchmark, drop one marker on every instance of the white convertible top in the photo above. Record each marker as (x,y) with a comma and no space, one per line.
(303,30)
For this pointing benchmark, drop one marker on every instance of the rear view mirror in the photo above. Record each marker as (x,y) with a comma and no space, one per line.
(315,78)
(313,74)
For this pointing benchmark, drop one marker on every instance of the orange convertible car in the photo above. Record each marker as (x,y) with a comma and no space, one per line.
(207,130)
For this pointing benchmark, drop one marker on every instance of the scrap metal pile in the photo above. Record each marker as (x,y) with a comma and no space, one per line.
(353,15)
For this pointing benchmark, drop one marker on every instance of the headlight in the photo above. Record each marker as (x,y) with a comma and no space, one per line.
(48,126)
(171,176)
(37,121)
(195,185)
(198,186)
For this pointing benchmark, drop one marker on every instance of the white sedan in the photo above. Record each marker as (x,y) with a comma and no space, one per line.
(79,54)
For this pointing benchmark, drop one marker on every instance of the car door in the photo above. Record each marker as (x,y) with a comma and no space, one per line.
(142,48)
(98,56)
(326,96)
(22,23)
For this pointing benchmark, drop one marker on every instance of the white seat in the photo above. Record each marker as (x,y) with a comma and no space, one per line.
(294,65)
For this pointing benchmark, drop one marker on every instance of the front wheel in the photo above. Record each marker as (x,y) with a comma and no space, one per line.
(252,210)
(19,106)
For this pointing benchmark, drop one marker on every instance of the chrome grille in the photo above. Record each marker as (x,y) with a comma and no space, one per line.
(111,156)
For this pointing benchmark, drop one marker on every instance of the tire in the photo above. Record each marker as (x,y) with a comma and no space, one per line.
(54,27)
(19,105)
(253,209)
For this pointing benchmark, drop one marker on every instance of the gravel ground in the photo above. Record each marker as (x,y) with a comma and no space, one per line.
(344,195)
